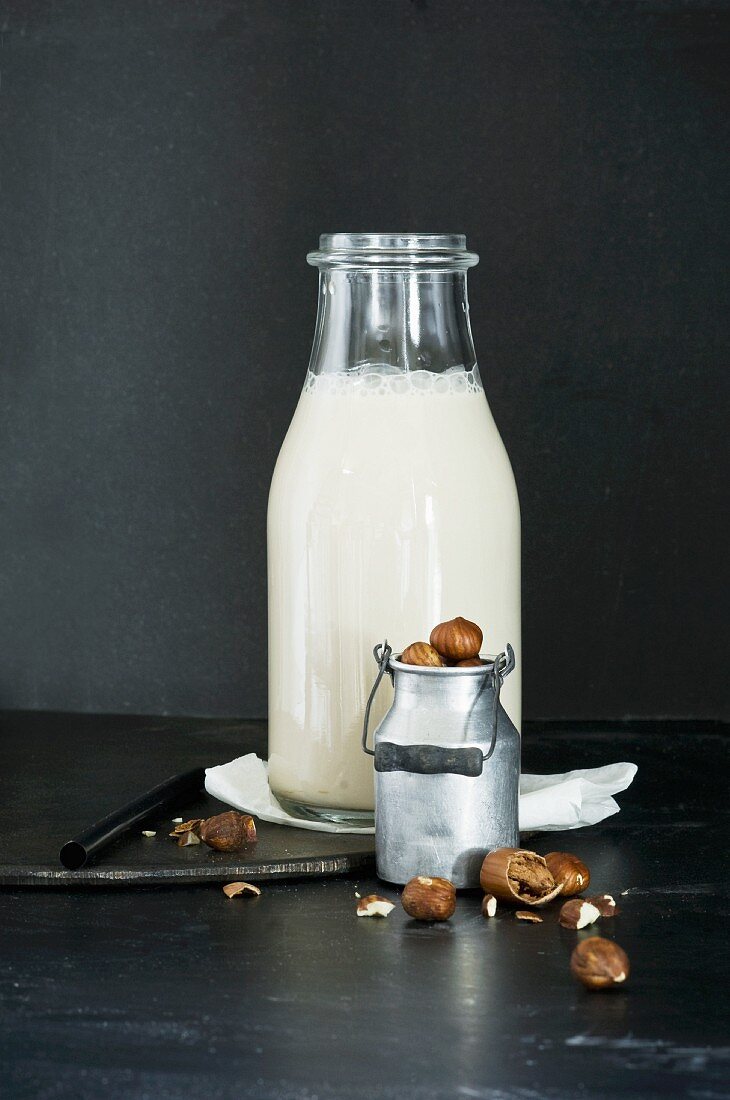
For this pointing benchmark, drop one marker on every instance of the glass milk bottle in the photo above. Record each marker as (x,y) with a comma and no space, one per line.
(392,508)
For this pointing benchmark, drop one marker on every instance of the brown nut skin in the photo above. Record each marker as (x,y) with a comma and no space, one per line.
(600,964)
(227,832)
(518,877)
(570,871)
(605,904)
(470,662)
(421,653)
(428,898)
(457,640)
(528,915)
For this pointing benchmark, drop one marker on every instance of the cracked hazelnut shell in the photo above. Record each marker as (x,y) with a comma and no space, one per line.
(236,889)
(518,877)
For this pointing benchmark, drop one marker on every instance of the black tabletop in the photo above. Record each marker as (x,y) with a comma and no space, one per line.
(171,992)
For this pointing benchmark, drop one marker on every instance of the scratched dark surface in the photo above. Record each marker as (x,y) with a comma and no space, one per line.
(171,993)
(165,167)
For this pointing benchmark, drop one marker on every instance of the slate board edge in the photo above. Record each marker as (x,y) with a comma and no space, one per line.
(273,869)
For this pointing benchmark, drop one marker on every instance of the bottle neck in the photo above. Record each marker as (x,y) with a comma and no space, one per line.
(394,321)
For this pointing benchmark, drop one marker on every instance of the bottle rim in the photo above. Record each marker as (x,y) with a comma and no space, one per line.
(431,251)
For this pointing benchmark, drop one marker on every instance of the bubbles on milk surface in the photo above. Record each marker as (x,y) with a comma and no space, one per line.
(376,379)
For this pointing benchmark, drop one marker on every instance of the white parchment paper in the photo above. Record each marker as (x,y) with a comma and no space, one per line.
(548,803)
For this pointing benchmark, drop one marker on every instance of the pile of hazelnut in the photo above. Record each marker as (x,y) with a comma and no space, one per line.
(453,644)
(517,877)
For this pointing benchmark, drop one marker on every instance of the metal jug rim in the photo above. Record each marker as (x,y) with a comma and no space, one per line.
(444,670)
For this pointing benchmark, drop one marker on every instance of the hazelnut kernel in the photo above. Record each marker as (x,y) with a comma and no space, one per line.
(374,906)
(605,904)
(421,653)
(599,963)
(570,871)
(489,905)
(578,913)
(458,639)
(429,898)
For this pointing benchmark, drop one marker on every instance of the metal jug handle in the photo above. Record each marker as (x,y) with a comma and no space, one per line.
(503,665)
(382,654)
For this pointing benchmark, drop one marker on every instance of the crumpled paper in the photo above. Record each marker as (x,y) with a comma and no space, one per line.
(548,803)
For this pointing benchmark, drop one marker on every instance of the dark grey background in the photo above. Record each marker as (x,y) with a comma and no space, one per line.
(166,164)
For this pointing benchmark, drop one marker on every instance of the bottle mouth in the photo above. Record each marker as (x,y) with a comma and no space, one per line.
(429,251)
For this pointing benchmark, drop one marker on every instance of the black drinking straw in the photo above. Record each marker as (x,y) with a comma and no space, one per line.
(76,852)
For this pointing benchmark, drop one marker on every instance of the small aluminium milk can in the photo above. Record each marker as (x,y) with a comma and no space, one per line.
(447,770)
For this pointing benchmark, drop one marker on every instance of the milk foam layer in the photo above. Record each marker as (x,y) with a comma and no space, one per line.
(379,380)
(392,508)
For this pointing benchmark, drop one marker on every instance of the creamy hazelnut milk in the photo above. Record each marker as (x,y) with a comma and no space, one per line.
(393,507)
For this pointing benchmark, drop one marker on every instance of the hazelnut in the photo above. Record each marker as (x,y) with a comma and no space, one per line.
(421,653)
(235,889)
(526,914)
(426,898)
(518,877)
(374,906)
(578,913)
(458,639)
(599,963)
(570,871)
(605,905)
(470,662)
(228,831)
(489,905)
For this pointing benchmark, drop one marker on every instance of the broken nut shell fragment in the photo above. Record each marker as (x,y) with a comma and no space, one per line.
(528,915)
(184,840)
(191,826)
(427,898)
(518,877)
(578,913)
(570,871)
(374,906)
(235,889)
(599,963)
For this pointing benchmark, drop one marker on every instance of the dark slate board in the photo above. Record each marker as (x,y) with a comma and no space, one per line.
(136,860)
(84,776)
